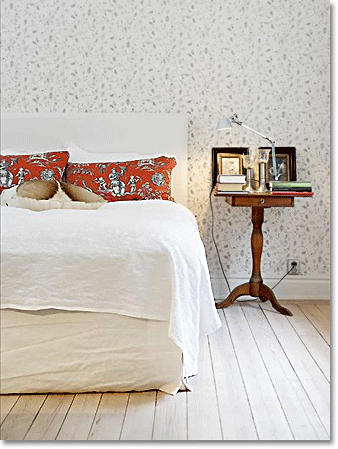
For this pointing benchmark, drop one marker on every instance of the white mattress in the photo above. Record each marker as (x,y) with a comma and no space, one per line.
(59,351)
(142,259)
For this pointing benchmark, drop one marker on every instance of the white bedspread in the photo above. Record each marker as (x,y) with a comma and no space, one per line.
(137,258)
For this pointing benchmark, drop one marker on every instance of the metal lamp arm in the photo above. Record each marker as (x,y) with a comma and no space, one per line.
(234,119)
(260,134)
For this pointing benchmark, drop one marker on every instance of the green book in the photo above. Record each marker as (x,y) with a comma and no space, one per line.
(292,186)
(289,184)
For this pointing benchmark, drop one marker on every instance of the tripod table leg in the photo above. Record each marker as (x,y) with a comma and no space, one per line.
(266,294)
(241,290)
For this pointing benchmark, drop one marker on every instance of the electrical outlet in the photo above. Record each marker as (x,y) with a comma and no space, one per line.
(295,264)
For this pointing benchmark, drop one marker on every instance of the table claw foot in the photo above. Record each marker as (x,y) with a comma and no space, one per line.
(236,293)
(266,294)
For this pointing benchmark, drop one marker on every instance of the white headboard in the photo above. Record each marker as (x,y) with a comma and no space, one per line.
(143,133)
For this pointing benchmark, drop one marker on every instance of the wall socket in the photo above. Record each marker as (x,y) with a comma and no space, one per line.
(296,269)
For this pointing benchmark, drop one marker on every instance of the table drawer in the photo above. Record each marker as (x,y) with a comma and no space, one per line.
(259,201)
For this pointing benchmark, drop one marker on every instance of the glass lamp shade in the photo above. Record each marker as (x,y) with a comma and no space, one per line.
(248,160)
(263,155)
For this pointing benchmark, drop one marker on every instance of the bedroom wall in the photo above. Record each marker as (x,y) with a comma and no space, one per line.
(266,60)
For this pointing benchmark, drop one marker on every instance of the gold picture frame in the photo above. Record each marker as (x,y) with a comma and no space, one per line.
(229,164)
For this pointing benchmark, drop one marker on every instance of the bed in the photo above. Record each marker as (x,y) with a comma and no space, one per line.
(114,299)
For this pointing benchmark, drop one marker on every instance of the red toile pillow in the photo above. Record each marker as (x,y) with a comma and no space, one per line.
(144,179)
(14,170)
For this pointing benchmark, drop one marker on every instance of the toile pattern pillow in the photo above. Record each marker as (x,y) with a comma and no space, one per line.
(143,179)
(16,169)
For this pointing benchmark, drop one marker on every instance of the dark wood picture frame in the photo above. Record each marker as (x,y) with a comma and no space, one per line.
(216,152)
(286,164)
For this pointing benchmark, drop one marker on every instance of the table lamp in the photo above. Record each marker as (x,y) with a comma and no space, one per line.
(226,123)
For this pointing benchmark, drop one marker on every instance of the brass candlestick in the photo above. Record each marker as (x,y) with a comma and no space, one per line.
(263,158)
(248,163)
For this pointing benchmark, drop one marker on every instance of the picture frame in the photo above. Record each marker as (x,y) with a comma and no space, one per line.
(229,164)
(286,164)
(227,160)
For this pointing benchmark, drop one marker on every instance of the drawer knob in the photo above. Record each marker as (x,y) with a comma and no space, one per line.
(262,201)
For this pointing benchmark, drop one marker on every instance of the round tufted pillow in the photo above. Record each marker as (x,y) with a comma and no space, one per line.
(43,195)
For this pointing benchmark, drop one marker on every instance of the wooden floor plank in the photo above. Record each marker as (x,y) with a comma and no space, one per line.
(314,342)
(203,413)
(325,309)
(7,401)
(318,319)
(269,416)
(139,420)
(80,417)
(304,301)
(109,417)
(299,411)
(313,380)
(170,417)
(50,417)
(235,412)
(21,416)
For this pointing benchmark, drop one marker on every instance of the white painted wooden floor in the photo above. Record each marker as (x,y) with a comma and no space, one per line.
(263,376)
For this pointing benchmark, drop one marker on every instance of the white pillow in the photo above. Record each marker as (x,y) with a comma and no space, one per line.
(10,152)
(82,156)
(78,155)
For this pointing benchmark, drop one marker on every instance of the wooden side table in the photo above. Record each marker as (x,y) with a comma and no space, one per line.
(255,287)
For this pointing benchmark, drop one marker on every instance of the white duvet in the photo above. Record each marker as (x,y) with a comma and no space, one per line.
(142,259)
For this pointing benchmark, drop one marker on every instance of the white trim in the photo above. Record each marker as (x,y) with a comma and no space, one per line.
(296,287)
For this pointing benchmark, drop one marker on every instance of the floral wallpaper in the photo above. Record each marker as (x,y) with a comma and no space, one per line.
(266,60)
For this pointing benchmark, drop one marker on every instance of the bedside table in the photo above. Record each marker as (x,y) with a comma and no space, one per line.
(255,287)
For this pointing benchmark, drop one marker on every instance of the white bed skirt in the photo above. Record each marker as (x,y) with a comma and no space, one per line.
(56,351)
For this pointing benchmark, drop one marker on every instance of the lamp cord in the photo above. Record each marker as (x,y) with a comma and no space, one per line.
(219,257)
(213,239)
(280,280)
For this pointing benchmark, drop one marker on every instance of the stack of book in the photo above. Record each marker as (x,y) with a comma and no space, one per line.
(292,188)
(230,184)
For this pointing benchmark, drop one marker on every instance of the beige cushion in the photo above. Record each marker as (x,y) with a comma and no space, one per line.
(38,190)
(43,195)
(76,193)
(9,197)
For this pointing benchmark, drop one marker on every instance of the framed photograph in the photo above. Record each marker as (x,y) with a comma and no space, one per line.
(229,164)
(286,164)
(227,161)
